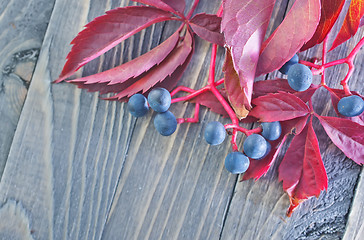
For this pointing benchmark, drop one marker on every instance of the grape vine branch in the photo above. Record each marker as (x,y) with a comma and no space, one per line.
(284,103)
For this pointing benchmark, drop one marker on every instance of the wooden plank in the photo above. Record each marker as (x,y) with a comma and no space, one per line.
(23,25)
(257,209)
(69,146)
(174,187)
(355,225)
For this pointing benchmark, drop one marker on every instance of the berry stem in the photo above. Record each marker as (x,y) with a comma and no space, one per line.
(243,130)
(324,52)
(310,64)
(195,118)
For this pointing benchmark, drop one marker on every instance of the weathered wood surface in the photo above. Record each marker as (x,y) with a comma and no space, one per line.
(82,168)
(23,25)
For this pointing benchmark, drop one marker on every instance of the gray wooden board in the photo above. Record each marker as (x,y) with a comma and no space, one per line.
(69,146)
(23,25)
(82,168)
(355,225)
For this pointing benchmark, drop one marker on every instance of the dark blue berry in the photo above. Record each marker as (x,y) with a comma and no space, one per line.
(165,123)
(269,147)
(271,130)
(299,77)
(236,162)
(215,133)
(255,146)
(351,106)
(284,69)
(159,99)
(137,105)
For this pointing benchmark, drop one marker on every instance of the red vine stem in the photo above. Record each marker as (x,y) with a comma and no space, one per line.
(324,47)
(211,86)
(193,8)
(243,130)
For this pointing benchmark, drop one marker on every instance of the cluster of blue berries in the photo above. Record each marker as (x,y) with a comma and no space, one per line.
(299,78)
(159,100)
(255,146)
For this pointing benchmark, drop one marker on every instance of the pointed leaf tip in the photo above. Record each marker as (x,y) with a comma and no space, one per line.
(351,23)
(347,136)
(278,107)
(207,26)
(105,32)
(290,36)
(302,170)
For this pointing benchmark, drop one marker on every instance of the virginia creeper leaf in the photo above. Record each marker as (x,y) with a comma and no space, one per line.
(135,67)
(207,26)
(173,6)
(351,23)
(278,107)
(105,32)
(208,99)
(171,81)
(346,135)
(336,95)
(302,170)
(262,88)
(294,126)
(161,72)
(244,24)
(178,5)
(296,29)
(237,97)
(330,11)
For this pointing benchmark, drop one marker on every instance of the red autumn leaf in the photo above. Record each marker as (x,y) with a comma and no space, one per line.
(302,170)
(106,31)
(330,11)
(244,24)
(237,97)
(173,6)
(208,99)
(171,81)
(207,26)
(161,72)
(262,88)
(336,95)
(135,67)
(346,135)
(294,126)
(178,5)
(296,29)
(278,107)
(351,22)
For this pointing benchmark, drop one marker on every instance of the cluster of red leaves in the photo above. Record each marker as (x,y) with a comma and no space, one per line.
(163,66)
(301,170)
(241,30)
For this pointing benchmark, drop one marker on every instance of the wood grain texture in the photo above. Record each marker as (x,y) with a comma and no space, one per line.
(174,187)
(83,168)
(355,225)
(69,146)
(23,25)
